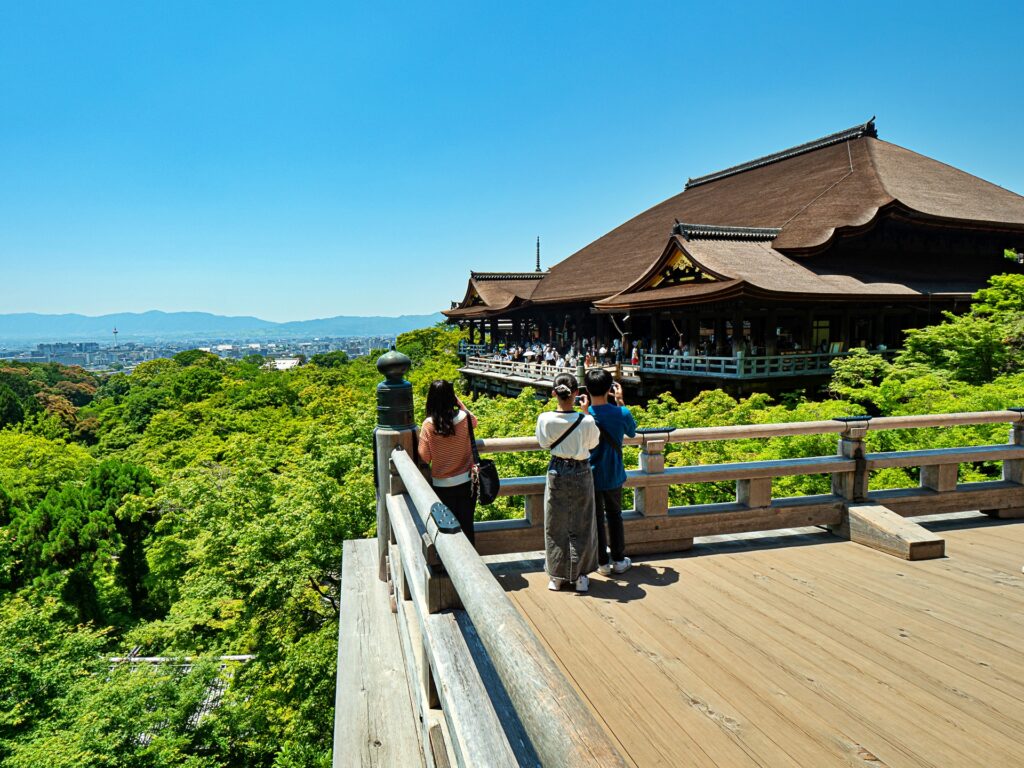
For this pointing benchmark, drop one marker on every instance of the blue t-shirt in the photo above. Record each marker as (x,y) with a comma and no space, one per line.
(605,461)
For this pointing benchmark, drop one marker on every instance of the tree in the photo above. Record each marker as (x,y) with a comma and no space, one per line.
(11,411)
(334,359)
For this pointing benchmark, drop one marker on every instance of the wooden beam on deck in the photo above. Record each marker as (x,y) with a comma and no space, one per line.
(374,722)
(878,527)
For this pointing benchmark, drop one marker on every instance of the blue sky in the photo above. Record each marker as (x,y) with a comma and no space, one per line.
(300,160)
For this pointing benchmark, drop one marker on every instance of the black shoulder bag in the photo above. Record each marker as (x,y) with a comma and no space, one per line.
(484,473)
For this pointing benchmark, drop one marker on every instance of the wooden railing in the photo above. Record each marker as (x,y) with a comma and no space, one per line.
(527,372)
(445,595)
(465,348)
(654,526)
(742,366)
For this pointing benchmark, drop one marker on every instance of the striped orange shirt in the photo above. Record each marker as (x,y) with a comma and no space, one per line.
(450,457)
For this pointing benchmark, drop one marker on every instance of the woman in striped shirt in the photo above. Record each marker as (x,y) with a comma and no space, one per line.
(444,445)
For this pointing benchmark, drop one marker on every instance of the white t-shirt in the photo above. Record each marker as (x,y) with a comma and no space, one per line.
(551,425)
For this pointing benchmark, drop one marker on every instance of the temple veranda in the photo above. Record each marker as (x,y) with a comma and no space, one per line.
(854,628)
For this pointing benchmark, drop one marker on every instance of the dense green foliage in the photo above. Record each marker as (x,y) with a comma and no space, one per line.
(197,506)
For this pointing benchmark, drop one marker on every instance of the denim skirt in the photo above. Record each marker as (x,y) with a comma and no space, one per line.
(570,525)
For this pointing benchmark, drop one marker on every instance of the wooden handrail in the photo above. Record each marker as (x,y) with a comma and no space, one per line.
(477,735)
(560,726)
(732,432)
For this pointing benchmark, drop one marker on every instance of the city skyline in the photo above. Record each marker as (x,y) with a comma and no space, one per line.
(297,163)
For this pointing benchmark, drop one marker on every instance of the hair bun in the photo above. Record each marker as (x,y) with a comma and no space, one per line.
(562,391)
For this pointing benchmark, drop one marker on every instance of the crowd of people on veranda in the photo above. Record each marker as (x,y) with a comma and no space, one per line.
(583,529)
(595,352)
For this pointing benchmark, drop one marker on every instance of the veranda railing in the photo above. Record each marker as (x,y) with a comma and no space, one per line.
(443,589)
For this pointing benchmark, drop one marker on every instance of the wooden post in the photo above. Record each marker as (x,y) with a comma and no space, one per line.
(437,587)
(941,477)
(771,336)
(534,512)
(394,428)
(756,493)
(652,501)
(720,342)
(388,482)
(1013,470)
(852,486)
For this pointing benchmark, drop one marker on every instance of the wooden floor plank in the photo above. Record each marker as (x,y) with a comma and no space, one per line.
(818,655)
(834,669)
(374,721)
(738,699)
(877,623)
(650,729)
(792,680)
(982,709)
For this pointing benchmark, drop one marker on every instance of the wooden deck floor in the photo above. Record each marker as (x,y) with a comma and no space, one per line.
(818,655)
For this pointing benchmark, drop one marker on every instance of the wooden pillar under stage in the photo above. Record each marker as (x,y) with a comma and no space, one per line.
(472,332)
(771,333)
(721,346)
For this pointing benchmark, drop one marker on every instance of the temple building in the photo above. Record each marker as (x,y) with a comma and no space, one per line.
(766,270)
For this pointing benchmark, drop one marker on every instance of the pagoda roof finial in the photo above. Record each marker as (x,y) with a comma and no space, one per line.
(538,253)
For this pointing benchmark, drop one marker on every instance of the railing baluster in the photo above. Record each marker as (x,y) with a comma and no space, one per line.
(653,500)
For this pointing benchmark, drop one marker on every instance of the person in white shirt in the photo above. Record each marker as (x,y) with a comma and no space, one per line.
(570,523)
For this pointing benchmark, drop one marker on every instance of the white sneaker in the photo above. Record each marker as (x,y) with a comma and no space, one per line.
(554,584)
(605,570)
(582,584)
(621,566)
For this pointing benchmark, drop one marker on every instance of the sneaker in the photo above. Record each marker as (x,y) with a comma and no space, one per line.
(582,584)
(605,570)
(621,566)
(554,584)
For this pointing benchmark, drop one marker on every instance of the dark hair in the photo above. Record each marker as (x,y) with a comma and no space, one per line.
(564,385)
(441,407)
(599,381)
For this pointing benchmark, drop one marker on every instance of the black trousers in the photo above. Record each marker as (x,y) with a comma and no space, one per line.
(461,500)
(608,505)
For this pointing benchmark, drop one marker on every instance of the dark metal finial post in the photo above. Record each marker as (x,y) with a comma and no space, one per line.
(538,253)
(394,394)
(395,429)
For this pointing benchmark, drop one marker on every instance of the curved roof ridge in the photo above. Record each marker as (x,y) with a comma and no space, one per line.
(724,232)
(856,132)
(506,275)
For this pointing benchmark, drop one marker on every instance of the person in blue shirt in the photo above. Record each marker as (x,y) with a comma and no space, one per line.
(614,422)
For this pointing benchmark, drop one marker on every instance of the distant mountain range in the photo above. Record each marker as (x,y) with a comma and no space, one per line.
(30,327)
